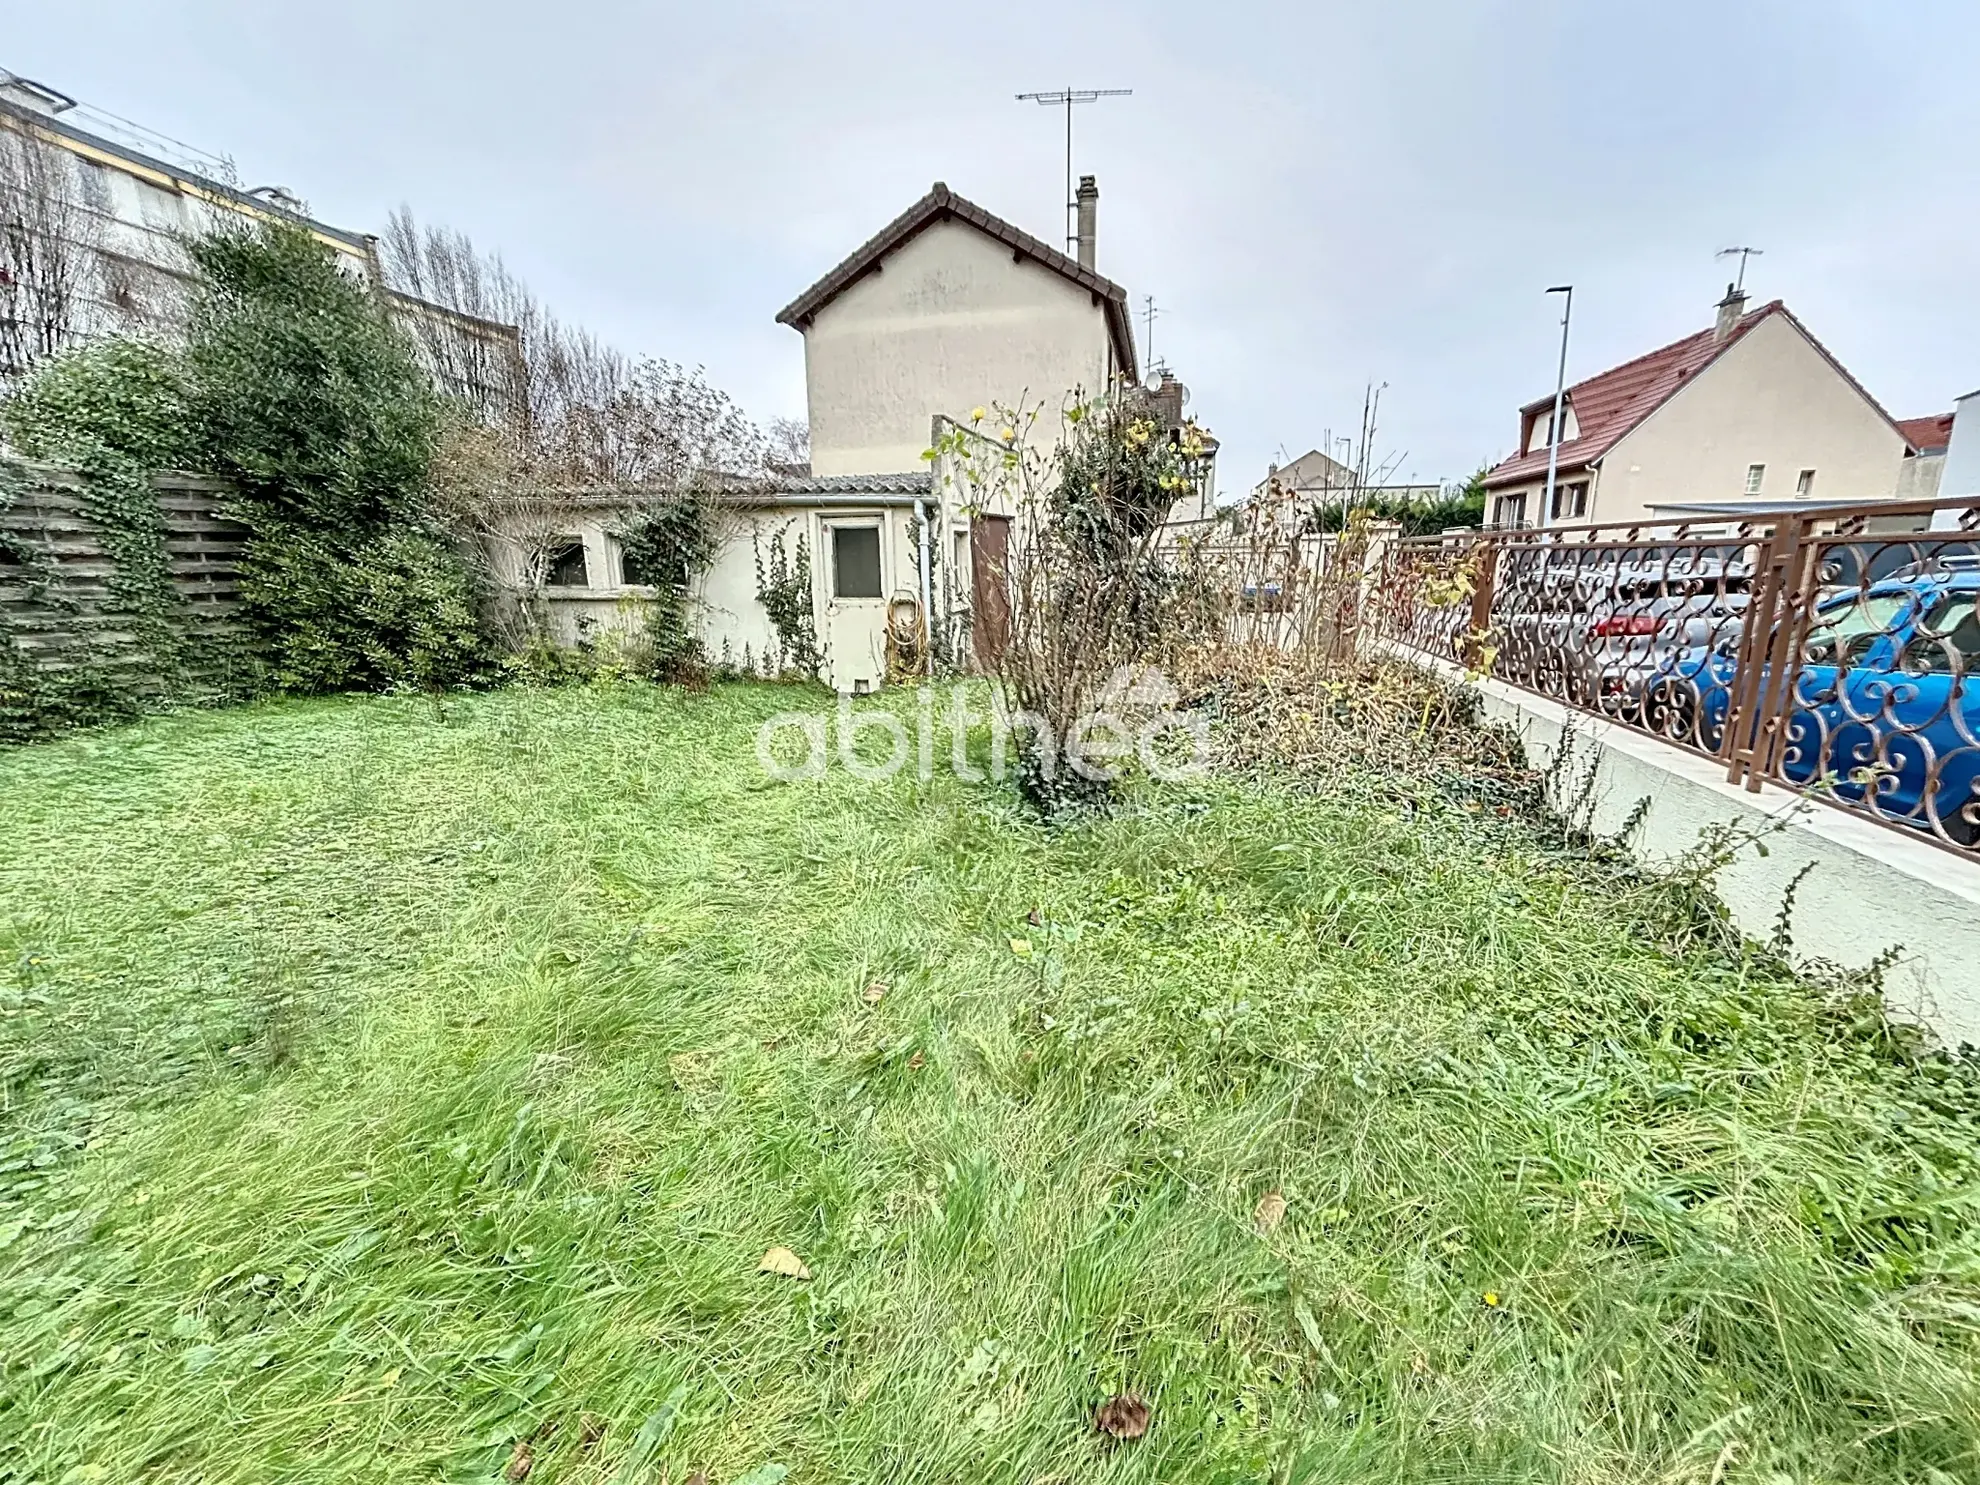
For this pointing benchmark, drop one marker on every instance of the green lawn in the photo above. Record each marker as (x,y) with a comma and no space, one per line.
(383,1087)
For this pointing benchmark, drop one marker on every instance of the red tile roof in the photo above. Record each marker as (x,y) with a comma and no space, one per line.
(1927,435)
(942,204)
(1608,406)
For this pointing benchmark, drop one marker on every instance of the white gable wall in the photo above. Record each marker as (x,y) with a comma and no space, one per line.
(1771,399)
(952,321)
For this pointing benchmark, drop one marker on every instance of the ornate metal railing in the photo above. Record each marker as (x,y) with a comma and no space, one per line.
(1831,650)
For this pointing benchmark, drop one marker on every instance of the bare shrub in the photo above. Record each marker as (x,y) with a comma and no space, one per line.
(50,257)
(552,424)
(1091,593)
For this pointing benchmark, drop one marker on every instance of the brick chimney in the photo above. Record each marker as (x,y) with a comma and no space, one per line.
(1088,198)
(1731,308)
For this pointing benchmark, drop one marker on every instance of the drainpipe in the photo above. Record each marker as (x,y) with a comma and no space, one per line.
(927,618)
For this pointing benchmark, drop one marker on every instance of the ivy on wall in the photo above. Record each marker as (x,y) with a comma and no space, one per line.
(783,587)
(114,412)
(666,546)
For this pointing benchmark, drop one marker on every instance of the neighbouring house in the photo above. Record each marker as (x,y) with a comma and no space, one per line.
(1313,474)
(1750,412)
(1925,461)
(93,210)
(1316,479)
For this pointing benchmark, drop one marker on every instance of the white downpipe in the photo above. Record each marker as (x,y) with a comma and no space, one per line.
(927,613)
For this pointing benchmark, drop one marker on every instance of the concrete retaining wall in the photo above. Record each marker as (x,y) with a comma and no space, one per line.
(1870,886)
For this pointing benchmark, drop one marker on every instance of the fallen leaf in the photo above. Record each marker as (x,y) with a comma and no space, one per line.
(783,1261)
(697,1478)
(1122,1416)
(1035,919)
(521,1461)
(875,992)
(1021,947)
(917,1062)
(1270,1213)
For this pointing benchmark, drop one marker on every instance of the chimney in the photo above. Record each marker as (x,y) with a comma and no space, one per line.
(1088,197)
(1731,308)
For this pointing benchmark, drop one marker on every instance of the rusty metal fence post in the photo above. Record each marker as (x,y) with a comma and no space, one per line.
(1475,644)
(1773,635)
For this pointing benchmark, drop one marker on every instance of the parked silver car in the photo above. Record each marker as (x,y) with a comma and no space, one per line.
(1601,635)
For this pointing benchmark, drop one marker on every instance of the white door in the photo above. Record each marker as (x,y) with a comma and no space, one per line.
(855,604)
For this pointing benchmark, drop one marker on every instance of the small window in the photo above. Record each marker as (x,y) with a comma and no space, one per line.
(1570,501)
(855,561)
(634,574)
(565,565)
(960,561)
(1804,486)
(1509,510)
(160,208)
(1756,475)
(95,183)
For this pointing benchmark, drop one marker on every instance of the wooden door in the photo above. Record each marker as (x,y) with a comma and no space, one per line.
(990,609)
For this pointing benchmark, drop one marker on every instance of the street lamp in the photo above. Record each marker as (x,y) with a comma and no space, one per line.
(1560,401)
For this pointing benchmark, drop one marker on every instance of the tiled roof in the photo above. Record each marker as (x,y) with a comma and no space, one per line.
(1927,435)
(942,204)
(759,490)
(920,482)
(1609,406)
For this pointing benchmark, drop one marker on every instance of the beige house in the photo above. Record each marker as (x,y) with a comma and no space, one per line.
(1752,411)
(946,309)
(949,308)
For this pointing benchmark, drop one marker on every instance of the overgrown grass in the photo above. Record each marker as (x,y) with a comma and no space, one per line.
(385,1086)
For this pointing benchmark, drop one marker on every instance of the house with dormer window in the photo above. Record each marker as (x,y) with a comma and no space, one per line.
(1753,411)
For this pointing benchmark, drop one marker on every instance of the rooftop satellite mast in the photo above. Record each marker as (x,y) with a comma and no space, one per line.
(1066,98)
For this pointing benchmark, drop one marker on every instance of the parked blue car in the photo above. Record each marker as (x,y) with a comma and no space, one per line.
(1886,702)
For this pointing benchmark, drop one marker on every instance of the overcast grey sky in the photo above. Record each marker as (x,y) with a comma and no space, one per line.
(1317,194)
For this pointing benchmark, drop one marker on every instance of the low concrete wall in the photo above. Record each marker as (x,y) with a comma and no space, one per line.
(1870,887)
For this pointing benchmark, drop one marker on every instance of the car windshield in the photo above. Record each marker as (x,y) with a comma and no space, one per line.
(1948,642)
(1846,629)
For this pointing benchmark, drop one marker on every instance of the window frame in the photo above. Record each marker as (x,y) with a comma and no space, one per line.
(1500,504)
(875,524)
(558,547)
(1756,478)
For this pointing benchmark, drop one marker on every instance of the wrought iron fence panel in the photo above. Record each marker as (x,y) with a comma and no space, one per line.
(1831,650)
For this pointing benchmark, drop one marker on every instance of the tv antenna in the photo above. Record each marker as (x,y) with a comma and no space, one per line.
(1149,313)
(1743,253)
(1067,97)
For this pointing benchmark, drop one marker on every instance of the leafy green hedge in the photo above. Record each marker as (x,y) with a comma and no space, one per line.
(294,385)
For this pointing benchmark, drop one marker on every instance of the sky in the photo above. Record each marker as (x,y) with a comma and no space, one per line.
(1322,197)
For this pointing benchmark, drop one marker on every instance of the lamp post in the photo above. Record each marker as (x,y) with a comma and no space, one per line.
(1560,401)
